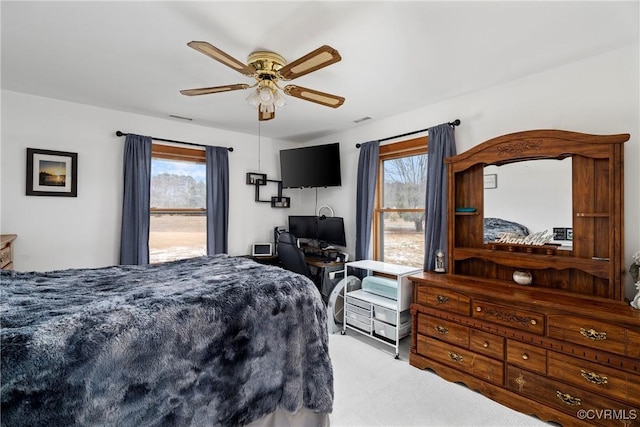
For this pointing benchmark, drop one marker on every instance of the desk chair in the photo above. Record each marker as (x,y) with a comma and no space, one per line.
(291,256)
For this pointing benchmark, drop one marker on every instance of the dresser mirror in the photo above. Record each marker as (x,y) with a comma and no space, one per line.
(534,193)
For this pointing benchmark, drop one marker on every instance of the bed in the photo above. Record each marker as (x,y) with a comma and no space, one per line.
(205,341)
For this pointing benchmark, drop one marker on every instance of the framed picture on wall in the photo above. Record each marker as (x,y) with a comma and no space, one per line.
(491,180)
(52,173)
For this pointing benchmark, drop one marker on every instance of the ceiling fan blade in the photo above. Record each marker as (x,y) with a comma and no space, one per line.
(220,56)
(319,58)
(314,96)
(264,115)
(216,89)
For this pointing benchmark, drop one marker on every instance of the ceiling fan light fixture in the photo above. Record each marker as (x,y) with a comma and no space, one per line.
(266,95)
(278,99)
(253,99)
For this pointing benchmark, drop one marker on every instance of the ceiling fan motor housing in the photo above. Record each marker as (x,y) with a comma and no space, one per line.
(267,64)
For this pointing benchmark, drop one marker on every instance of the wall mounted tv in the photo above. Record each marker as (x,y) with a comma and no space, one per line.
(315,166)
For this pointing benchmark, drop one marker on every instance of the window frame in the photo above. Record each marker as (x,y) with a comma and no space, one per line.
(406,148)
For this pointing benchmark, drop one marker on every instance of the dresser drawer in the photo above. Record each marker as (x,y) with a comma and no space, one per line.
(444,299)
(509,316)
(486,343)
(527,356)
(598,378)
(571,400)
(595,334)
(443,330)
(464,360)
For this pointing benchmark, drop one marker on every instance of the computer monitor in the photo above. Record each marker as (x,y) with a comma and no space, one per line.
(304,226)
(331,231)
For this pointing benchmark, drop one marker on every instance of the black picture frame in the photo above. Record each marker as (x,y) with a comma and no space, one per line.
(52,173)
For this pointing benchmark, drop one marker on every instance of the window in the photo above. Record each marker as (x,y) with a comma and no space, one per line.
(178,222)
(400,203)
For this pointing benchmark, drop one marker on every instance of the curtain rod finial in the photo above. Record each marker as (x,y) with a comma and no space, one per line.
(118,133)
(456,122)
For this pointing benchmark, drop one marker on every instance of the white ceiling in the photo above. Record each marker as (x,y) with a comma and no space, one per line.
(396,56)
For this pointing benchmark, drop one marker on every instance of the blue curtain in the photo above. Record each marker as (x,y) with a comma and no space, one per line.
(217,200)
(365,194)
(442,144)
(134,234)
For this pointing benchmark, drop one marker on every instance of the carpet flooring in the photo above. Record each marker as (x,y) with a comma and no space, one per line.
(372,388)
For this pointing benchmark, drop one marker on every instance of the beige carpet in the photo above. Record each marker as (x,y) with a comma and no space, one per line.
(374,389)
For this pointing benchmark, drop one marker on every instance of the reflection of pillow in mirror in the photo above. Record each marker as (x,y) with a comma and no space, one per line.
(494,226)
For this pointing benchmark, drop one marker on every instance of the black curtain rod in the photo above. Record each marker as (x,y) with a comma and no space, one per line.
(454,123)
(118,133)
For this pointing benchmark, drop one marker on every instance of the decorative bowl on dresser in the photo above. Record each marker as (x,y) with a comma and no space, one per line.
(6,251)
(566,347)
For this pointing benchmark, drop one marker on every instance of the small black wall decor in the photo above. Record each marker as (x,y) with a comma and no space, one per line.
(52,173)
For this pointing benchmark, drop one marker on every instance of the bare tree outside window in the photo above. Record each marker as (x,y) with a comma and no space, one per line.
(405,183)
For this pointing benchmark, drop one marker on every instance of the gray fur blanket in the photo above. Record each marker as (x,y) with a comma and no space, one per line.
(200,342)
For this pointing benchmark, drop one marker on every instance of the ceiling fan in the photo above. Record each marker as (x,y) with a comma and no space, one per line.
(268,68)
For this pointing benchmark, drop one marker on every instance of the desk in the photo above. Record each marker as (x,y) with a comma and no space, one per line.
(266,259)
(321,270)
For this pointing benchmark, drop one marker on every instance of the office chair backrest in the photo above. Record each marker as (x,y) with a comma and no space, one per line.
(291,256)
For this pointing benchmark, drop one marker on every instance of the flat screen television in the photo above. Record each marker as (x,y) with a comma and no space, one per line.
(315,166)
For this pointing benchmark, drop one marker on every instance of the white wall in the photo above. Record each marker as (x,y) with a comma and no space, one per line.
(63,232)
(599,95)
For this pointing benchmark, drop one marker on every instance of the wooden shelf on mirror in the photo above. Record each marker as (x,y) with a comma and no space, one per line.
(596,267)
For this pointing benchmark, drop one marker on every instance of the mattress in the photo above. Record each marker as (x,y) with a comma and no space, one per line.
(381,286)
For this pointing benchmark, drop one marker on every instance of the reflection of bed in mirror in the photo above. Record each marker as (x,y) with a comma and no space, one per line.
(494,227)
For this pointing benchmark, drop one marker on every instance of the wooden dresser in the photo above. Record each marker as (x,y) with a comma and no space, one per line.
(6,251)
(565,348)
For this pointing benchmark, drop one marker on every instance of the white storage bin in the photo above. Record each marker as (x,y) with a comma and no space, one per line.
(359,303)
(389,316)
(388,331)
(361,311)
(358,317)
(358,323)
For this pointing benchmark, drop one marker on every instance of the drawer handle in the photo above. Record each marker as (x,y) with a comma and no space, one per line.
(478,308)
(534,322)
(594,378)
(525,356)
(485,344)
(592,334)
(568,399)
(442,330)
(441,299)
(455,357)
